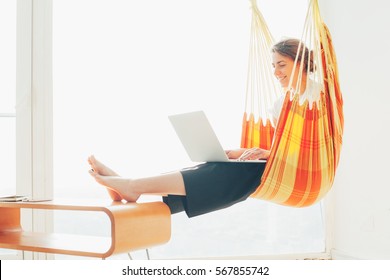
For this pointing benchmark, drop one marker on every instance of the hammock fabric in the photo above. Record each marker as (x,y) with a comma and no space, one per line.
(307,140)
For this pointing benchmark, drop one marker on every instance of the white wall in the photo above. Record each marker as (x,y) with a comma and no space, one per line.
(362,187)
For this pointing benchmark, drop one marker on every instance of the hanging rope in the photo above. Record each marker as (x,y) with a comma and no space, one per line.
(261,90)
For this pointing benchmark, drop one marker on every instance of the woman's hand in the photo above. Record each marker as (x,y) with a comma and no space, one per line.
(234,154)
(248,154)
(254,154)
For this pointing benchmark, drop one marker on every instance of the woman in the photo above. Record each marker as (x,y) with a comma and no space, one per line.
(283,57)
(215,185)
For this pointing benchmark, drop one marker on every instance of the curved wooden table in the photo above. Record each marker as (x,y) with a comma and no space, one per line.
(133,226)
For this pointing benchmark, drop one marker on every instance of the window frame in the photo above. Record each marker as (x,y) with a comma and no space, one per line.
(33,110)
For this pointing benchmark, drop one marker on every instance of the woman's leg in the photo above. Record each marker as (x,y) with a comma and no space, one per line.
(131,189)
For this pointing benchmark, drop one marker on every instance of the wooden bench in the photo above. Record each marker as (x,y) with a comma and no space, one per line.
(133,226)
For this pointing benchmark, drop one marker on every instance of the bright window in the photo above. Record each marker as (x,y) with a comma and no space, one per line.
(7,102)
(7,95)
(120,67)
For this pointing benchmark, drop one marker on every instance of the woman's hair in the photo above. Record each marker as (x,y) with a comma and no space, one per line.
(289,48)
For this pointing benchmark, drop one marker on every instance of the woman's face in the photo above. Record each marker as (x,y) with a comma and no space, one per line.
(283,66)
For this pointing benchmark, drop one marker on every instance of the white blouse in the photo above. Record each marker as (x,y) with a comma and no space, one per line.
(312,94)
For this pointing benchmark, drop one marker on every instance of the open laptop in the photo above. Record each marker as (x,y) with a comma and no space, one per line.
(199,139)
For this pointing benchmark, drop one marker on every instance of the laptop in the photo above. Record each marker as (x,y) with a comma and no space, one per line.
(199,139)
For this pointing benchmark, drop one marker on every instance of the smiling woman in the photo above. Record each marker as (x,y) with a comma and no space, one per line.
(283,56)
(115,82)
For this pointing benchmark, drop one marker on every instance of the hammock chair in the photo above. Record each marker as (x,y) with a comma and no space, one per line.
(305,144)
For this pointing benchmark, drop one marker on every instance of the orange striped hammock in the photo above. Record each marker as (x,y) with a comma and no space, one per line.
(305,145)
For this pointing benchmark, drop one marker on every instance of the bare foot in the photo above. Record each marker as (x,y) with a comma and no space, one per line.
(101,169)
(118,185)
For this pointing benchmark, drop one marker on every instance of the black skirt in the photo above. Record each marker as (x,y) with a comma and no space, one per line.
(215,185)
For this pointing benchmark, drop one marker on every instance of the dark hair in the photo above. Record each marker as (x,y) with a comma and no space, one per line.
(289,48)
